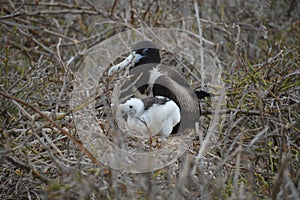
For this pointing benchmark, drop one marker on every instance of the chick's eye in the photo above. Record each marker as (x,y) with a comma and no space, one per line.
(145,51)
(130,106)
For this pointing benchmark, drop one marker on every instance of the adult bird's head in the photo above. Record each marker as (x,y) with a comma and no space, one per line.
(144,52)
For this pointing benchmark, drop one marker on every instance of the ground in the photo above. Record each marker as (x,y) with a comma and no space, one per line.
(256,153)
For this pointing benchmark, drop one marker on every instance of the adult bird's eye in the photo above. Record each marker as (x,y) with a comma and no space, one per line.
(145,51)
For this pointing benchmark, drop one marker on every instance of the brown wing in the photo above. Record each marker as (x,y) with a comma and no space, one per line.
(150,101)
(175,75)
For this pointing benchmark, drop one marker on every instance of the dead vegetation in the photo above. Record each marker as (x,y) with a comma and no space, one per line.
(257,154)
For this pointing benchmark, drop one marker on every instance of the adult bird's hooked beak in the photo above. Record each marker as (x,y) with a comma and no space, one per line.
(132,58)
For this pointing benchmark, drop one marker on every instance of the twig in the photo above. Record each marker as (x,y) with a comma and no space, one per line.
(71,137)
(202,71)
(29,168)
(113,7)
